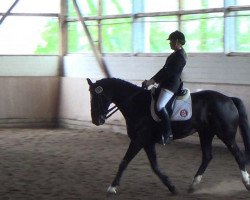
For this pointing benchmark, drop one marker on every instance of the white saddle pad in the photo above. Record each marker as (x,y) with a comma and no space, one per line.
(182,108)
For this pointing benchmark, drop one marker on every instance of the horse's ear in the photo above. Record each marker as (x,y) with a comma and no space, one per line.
(89,82)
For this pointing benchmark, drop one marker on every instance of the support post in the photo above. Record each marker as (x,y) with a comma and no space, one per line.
(95,50)
(8,12)
(180,6)
(100,25)
(63,33)
(138,40)
(229,28)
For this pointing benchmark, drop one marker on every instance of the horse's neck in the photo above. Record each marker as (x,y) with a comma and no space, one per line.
(121,96)
(127,102)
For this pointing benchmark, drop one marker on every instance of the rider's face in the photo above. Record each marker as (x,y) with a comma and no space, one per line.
(175,45)
(172,44)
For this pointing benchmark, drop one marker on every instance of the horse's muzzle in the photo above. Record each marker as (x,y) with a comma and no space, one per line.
(99,121)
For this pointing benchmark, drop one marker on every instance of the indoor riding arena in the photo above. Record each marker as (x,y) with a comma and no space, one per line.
(60,139)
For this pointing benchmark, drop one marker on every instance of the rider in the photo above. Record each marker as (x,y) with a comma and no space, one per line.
(169,80)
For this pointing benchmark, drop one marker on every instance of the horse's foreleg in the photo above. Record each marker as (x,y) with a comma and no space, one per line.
(206,147)
(133,149)
(151,153)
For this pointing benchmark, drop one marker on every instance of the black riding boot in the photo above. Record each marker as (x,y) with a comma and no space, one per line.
(165,120)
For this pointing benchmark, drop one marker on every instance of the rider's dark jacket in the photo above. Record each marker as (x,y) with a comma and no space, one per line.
(169,77)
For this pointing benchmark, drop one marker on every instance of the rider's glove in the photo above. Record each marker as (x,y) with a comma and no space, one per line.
(147,83)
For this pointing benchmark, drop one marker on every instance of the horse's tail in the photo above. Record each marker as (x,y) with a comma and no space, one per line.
(243,125)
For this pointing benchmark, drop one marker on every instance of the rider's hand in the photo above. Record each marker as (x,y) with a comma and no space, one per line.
(147,83)
(144,84)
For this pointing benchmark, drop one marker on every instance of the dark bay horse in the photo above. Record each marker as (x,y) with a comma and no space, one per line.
(213,114)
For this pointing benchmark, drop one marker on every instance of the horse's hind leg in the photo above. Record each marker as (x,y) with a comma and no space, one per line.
(206,147)
(239,157)
(151,153)
(132,151)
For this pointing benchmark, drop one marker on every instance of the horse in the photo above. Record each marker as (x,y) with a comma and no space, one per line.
(213,113)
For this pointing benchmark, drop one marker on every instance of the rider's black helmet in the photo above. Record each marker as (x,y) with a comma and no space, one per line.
(177,35)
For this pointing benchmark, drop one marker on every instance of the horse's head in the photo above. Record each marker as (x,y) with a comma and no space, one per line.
(99,102)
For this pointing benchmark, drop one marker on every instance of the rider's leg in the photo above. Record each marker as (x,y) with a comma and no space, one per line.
(164,97)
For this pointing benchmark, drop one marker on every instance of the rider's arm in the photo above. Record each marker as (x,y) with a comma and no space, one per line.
(159,76)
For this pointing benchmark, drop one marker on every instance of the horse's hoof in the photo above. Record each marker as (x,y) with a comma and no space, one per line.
(195,184)
(173,190)
(175,193)
(112,190)
(191,190)
(247,186)
(245,179)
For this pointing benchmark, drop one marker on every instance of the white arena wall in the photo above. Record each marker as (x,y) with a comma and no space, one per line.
(34,94)
(29,92)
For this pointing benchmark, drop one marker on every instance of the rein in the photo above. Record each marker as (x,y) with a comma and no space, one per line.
(108,115)
(115,108)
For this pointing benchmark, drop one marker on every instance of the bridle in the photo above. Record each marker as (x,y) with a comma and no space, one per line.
(99,91)
(108,114)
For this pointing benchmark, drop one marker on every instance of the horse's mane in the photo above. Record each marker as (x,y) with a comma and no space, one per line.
(116,83)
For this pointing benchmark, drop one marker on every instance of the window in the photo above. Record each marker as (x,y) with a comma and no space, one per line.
(157,30)
(29,35)
(38,6)
(77,39)
(32,27)
(204,32)
(242,31)
(116,36)
(201,4)
(242,2)
(142,26)
(160,5)
(126,26)
(87,8)
(114,7)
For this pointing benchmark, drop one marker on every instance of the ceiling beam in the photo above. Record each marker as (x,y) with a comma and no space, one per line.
(8,12)
(95,50)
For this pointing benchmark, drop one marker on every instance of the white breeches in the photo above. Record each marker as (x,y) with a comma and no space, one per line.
(164,97)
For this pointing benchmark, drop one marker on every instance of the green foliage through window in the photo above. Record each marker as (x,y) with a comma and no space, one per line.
(116,34)
(243,32)
(204,32)
(49,43)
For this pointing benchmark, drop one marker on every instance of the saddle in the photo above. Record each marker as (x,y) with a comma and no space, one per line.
(179,107)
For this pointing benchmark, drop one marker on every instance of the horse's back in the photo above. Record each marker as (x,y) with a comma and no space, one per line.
(210,98)
(212,107)
(208,93)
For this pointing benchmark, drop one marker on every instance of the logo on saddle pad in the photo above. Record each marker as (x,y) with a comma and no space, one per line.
(184,113)
(181,106)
